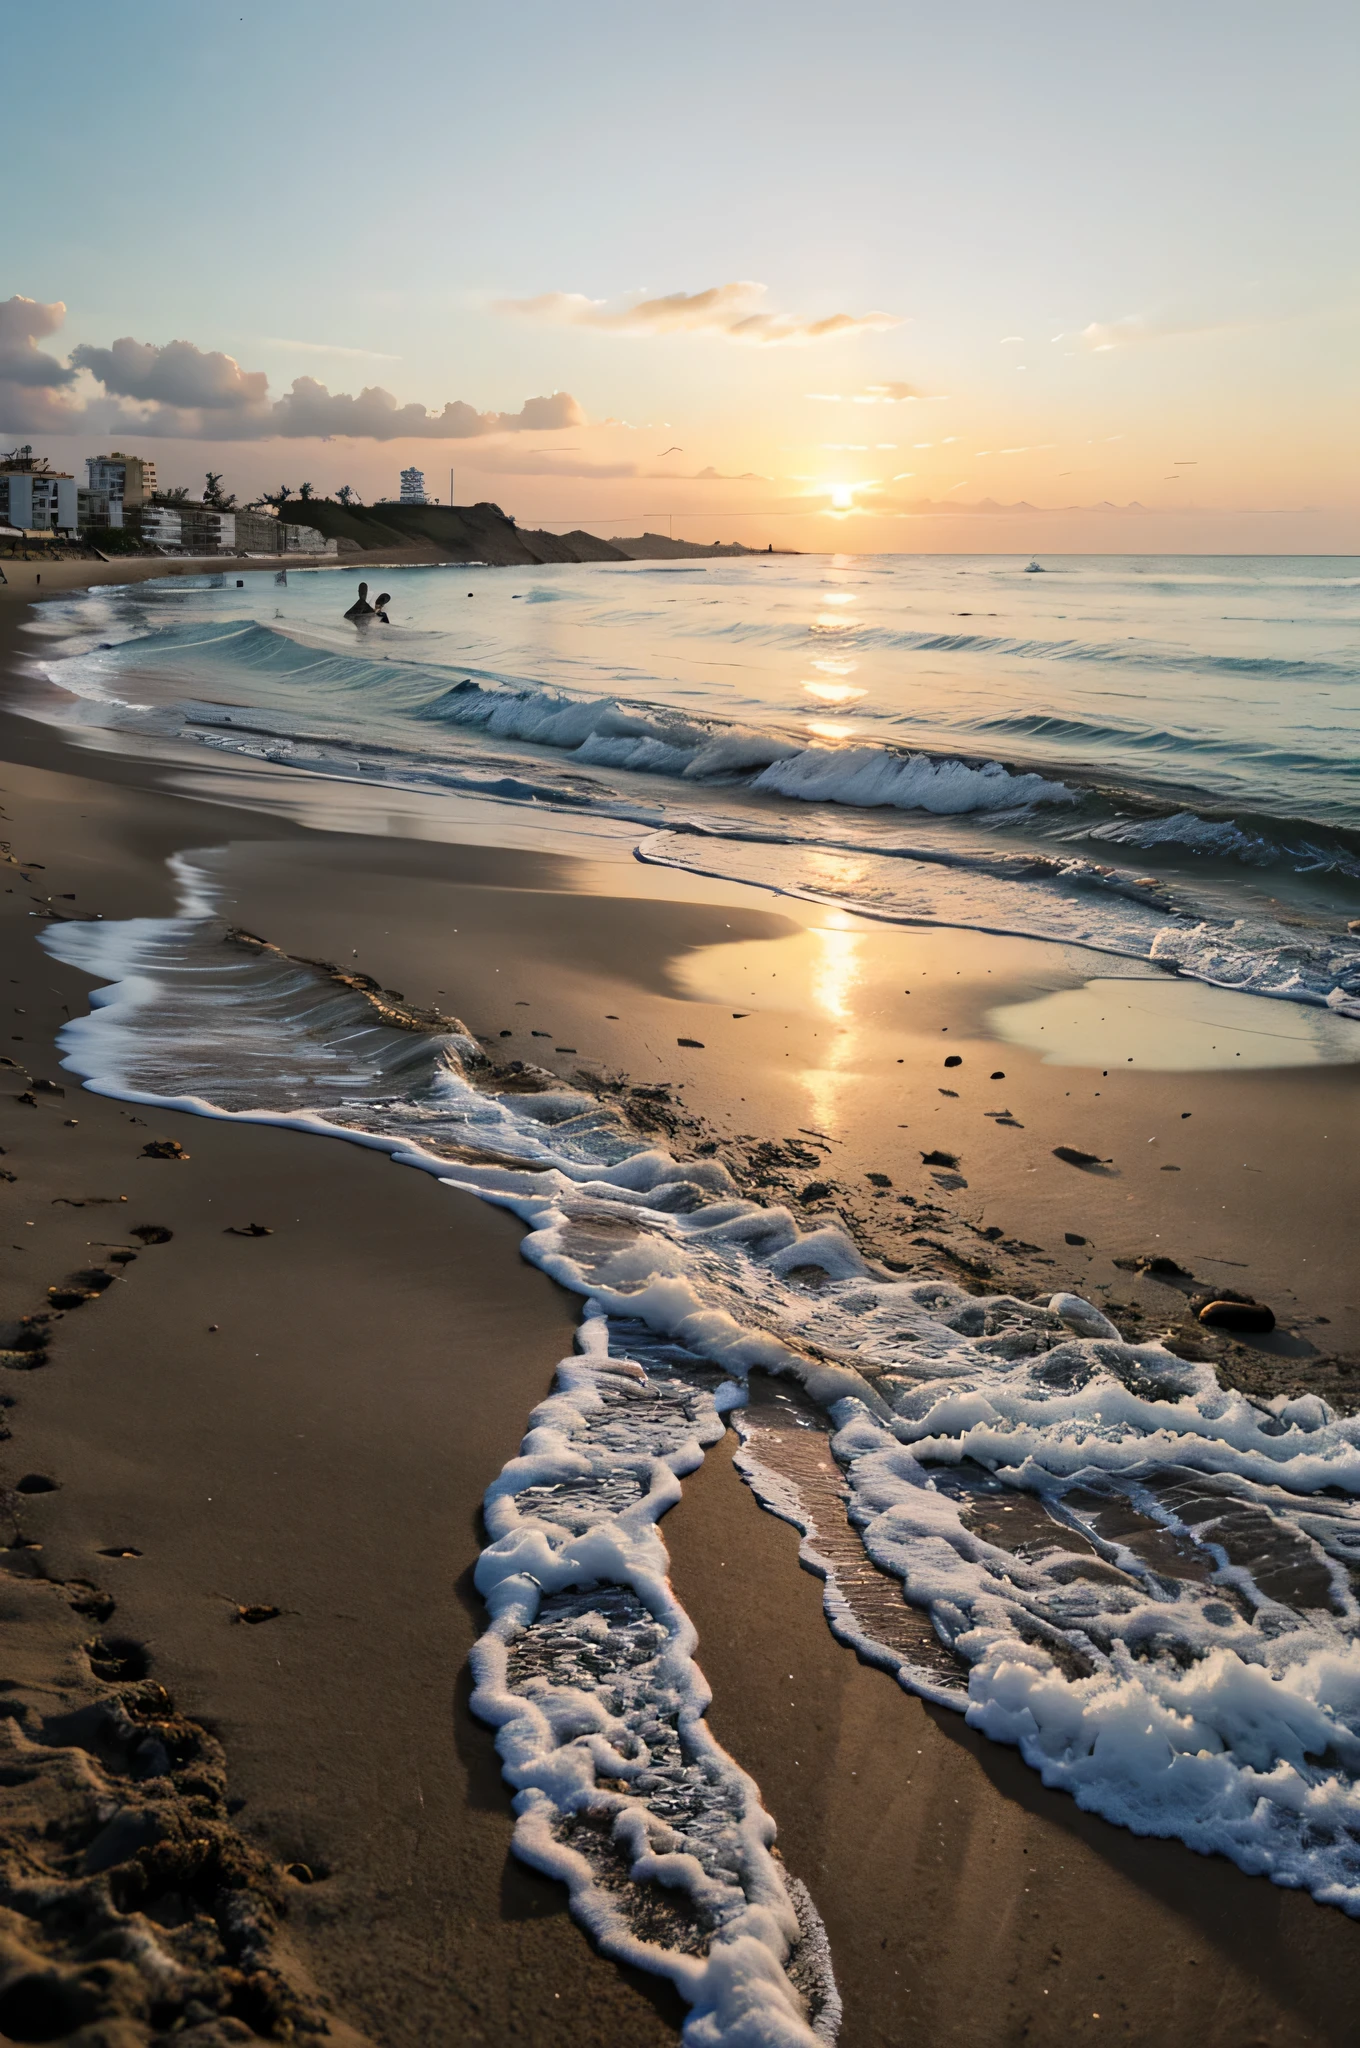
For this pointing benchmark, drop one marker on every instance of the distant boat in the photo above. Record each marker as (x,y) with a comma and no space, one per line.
(1036,569)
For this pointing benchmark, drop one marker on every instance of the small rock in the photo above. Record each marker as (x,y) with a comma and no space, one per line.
(1251,1316)
(879,1180)
(1074,1156)
(697,1043)
(1072,1237)
(1162,1266)
(939,1159)
(249,1230)
(955,1060)
(815,1191)
(164,1148)
(998,1075)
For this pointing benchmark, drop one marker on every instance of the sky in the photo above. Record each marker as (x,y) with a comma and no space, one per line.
(877,277)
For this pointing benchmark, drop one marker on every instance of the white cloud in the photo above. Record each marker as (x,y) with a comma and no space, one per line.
(734,311)
(1136,329)
(181,391)
(23,324)
(32,384)
(871,394)
(179,375)
(330,348)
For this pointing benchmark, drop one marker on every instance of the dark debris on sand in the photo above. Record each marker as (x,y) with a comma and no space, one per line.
(920,1237)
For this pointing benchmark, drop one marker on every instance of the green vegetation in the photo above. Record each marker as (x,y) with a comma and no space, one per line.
(113,540)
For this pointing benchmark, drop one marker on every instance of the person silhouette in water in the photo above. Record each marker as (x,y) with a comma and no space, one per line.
(379,612)
(361,608)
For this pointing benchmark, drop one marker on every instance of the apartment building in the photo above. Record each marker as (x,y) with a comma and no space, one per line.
(34,497)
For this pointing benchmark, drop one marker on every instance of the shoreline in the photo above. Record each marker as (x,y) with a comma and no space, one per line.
(667,962)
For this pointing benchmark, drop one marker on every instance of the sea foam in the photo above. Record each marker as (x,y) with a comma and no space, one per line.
(1144,1580)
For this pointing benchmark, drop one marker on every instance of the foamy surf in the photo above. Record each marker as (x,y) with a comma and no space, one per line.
(1187,796)
(1144,1581)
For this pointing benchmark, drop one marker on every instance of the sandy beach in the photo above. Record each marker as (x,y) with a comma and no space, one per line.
(306,1419)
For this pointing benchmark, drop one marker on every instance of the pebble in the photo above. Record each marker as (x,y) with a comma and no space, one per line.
(1238,1315)
(955,1060)
(1074,1156)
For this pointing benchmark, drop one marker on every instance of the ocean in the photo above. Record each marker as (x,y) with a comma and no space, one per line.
(1154,759)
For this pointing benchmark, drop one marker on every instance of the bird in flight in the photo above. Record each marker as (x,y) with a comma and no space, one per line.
(670,451)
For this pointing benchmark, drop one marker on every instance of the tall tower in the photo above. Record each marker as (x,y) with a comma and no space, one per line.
(413,487)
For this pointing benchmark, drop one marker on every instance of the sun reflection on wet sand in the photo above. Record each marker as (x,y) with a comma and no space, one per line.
(835,972)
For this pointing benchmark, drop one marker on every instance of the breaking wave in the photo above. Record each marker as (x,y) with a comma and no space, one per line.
(1240,823)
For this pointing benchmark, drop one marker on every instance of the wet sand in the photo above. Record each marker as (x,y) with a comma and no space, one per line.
(319,1450)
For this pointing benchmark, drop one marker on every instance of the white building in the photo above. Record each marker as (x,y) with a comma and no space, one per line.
(35,498)
(412,487)
(161,526)
(203,530)
(97,508)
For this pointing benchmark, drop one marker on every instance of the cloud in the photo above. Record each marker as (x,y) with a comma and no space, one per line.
(177,375)
(1135,330)
(502,460)
(180,391)
(308,411)
(330,348)
(735,311)
(34,386)
(870,394)
(986,508)
(23,324)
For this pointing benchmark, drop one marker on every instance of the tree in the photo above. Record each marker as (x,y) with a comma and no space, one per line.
(213,495)
(179,496)
(345,493)
(279,498)
(305,492)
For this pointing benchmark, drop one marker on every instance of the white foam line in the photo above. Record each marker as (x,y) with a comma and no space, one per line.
(587,1749)
(1231,1722)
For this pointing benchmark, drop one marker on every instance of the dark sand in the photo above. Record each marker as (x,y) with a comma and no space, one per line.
(309,1453)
